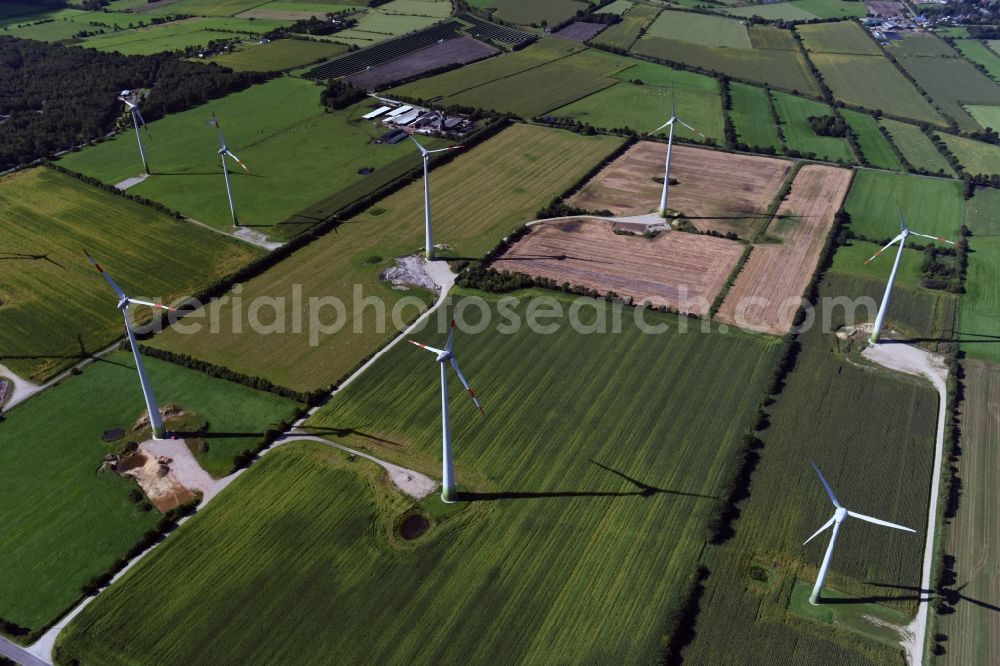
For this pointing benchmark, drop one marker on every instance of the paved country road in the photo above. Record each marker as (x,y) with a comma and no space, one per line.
(19,654)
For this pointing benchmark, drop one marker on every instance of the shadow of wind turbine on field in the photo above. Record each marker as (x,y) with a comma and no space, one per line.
(642,490)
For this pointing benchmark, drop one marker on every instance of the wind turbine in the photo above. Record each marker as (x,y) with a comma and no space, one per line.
(838,517)
(901,238)
(137,119)
(428,234)
(155,420)
(670,144)
(443,356)
(223,152)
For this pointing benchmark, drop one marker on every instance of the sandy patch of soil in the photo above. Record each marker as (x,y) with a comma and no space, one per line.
(732,190)
(680,270)
(155,478)
(766,294)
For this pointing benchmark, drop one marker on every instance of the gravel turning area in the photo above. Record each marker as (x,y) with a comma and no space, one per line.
(680,270)
(766,294)
(457,51)
(730,189)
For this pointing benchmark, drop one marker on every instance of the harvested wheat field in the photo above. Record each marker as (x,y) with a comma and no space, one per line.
(766,293)
(680,270)
(715,190)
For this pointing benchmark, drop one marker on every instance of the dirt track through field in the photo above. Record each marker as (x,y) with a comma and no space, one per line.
(680,270)
(765,295)
(710,184)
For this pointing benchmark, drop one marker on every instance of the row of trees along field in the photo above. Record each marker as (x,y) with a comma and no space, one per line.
(55,97)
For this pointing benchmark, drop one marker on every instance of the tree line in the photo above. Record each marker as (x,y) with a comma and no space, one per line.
(53,97)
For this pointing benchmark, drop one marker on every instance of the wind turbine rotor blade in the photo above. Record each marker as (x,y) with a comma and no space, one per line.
(451,336)
(465,383)
(443,150)
(937,238)
(829,490)
(423,151)
(428,348)
(887,246)
(691,128)
(129,104)
(114,285)
(820,530)
(877,521)
(152,305)
(238,161)
(666,124)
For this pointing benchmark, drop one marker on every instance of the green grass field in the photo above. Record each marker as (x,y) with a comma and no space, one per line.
(278,55)
(842,37)
(920,44)
(778,11)
(972,630)
(577,537)
(118,20)
(179,35)
(701,29)
(752,117)
(977,52)
(777,67)
(299,156)
(763,36)
(623,35)
(952,82)
(876,465)
(875,147)
(873,82)
(616,7)
(492,190)
(931,205)
(976,156)
(987,116)
(55,31)
(802,10)
(15,17)
(916,147)
(529,12)
(218,8)
(646,107)
(55,307)
(794,113)
(850,260)
(980,313)
(558,73)
(64,519)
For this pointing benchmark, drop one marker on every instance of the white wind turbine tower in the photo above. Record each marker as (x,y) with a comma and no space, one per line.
(155,420)
(428,232)
(901,239)
(443,356)
(223,153)
(137,119)
(838,517)
(670,144)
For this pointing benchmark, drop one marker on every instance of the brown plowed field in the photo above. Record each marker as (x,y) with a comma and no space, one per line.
(730,191)
(683,271)
(765,295)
